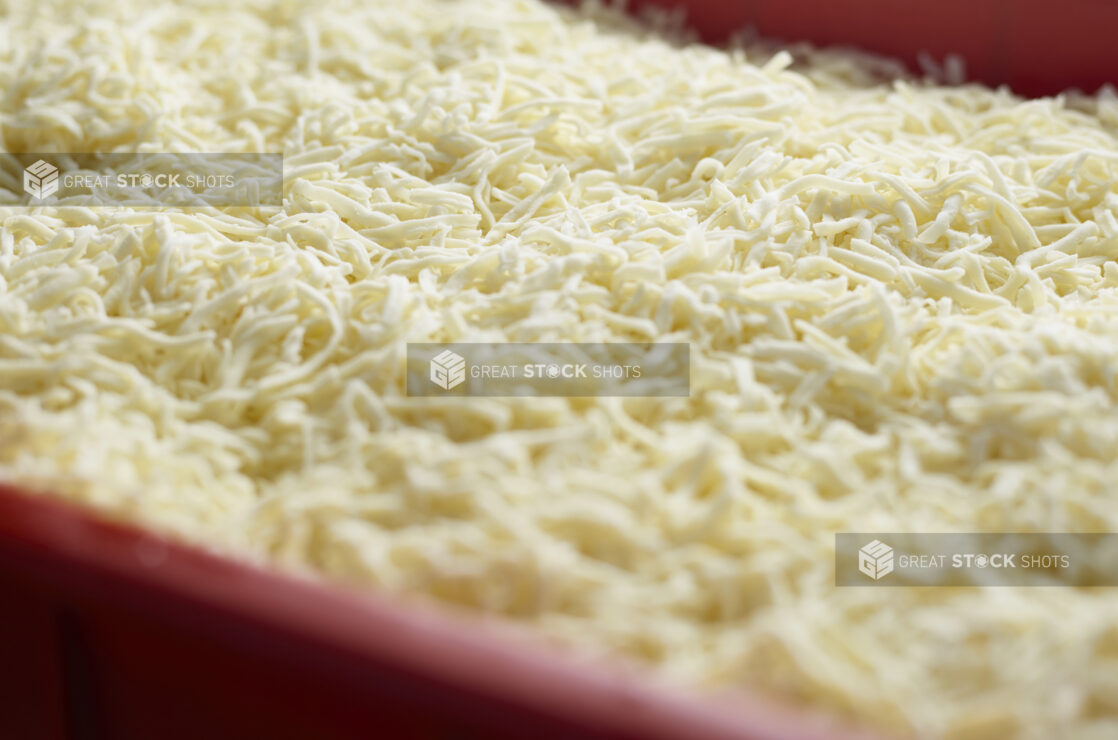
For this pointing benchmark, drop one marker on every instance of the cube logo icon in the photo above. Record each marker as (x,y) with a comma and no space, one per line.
(876,560)
(40,180)
(448,370)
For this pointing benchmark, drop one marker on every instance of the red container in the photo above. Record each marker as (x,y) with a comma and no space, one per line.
(110,632)
(1037,47)
(107,631)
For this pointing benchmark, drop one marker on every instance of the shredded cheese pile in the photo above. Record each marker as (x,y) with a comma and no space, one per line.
(901,299)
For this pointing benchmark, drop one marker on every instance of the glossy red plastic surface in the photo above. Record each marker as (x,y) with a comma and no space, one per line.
(1037,47)
(107,631)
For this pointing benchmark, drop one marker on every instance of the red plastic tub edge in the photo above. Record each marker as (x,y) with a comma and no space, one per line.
(1037,47)
(509,683)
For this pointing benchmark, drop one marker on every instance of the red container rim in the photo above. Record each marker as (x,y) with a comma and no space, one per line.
(84,555)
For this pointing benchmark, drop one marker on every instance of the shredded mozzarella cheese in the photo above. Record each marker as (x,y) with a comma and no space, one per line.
(902,302)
